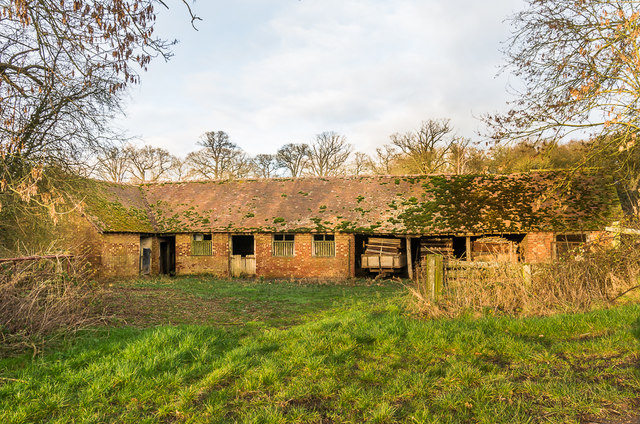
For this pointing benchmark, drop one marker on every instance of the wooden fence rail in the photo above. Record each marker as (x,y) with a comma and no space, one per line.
(59,261)
(35,258)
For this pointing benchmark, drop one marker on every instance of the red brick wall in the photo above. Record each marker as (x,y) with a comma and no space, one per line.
(538,247)
(216,264)
(120,255)
(155,256)
(304,264)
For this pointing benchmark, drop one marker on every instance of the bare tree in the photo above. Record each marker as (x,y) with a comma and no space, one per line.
(240,167)
(113,164)
(199,165)
(63,68)
(294,158)
(458,155)
(580,65)
(179,169)
(328,154)
(477,161)
(386,160)
(218,159)
(265,165)
(425,151)
(149,164)
(361,164)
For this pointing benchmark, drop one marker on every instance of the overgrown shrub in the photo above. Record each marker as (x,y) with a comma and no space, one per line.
(595,276)
(40,297)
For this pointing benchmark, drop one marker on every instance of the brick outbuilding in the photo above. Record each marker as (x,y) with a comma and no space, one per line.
(318,227)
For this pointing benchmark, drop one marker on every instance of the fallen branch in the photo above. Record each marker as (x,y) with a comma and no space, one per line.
(624,292)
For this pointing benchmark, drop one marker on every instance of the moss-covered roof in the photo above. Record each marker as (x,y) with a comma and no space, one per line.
(114,207)
(441,204)
(460,204)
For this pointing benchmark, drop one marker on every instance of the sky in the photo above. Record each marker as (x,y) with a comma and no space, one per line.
(271,72)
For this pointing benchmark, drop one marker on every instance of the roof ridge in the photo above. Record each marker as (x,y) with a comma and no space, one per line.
(349,177)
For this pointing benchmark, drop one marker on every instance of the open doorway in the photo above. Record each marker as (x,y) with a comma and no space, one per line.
(145,255)
(168,255)
(243,257)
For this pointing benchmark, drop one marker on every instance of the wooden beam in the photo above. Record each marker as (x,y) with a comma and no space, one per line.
(468,248)
(628,231)
(409,258)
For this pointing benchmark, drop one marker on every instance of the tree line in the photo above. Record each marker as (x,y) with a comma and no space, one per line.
(432,148)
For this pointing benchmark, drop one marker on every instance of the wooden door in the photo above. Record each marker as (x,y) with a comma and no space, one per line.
(243,257)
(145,266)
(243,265)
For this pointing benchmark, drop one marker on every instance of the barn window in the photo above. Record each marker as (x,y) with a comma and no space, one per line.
(283,244)
(201,245)
(324,245)
(568,244)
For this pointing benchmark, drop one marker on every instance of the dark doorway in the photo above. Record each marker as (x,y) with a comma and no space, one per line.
(242,245)
(146,243)
(168,255)
(460,248)
(360,243)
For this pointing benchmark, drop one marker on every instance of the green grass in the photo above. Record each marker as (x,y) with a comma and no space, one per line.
(206,300)
(330,354)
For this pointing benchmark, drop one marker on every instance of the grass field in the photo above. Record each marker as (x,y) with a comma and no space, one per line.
(201,350)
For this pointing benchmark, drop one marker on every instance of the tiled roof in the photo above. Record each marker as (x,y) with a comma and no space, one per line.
(460,204)
(114,207)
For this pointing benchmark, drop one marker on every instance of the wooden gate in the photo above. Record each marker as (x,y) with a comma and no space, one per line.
(243,265)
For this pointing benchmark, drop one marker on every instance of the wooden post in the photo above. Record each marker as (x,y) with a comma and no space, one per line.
(409,258)
(468,251)
(526,273)
(230,251)
(435,275)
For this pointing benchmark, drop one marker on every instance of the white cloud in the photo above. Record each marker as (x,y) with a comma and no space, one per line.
(362,68)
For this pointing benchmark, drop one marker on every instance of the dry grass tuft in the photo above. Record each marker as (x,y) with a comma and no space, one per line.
(40,297)
(596,276)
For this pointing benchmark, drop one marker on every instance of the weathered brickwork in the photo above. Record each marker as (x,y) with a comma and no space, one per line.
(216,264)
(303,264)
(155,256)
(120,255)
(538,247)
